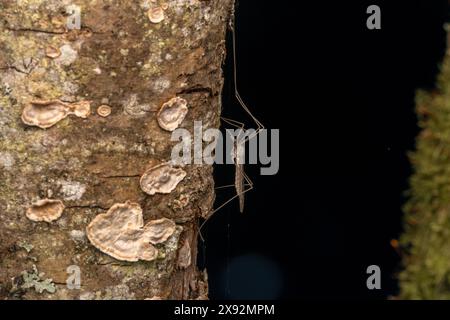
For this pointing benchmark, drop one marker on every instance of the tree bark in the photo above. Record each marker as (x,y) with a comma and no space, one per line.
(121,59)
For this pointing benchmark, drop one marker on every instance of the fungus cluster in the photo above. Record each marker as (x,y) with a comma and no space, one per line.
(162,178)
(45,210)
(45,114)
(172,114)
(121,233)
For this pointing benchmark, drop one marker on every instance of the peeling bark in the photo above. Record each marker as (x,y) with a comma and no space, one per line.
(121,59)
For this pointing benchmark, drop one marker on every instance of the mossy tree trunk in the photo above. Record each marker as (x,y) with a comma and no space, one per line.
(121,59)
(427,214)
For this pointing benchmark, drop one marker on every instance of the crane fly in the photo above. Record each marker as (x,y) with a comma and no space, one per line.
(242,182)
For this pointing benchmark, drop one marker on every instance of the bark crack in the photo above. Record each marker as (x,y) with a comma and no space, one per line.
(197,89)
(121,176)
(34,30)
(15,69)
(52,32)
(89,206)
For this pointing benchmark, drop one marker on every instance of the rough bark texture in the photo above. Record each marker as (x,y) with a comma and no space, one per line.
(427,213)
(121,59)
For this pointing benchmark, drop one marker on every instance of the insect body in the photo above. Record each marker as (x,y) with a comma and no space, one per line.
(242,183)
(239,177)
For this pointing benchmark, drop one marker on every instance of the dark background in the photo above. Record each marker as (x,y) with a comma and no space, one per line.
(343,99)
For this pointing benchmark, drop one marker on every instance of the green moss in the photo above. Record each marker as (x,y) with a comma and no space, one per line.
(427,212)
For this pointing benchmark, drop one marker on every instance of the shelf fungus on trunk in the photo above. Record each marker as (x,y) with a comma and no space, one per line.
(52,52)
(172,114)
(104,111)
(81,109)
(156,15)
(162,178)
(45,210)
(121,233)
(45,114)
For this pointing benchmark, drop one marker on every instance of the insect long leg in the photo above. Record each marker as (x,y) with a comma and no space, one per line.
(225,187)
(249,186)
(259,124)
(243,183)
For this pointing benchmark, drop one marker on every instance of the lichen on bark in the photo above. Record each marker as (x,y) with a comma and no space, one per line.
(122,59)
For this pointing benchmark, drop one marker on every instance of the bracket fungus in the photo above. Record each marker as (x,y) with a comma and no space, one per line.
(45,210)
(172,113)
(156,15)
(104,111)
(45,114)
(52,52)
(121,233)
(81,109)
(162,178)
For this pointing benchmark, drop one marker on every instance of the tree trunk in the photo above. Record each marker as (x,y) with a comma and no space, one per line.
(427,213)
(133,64)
